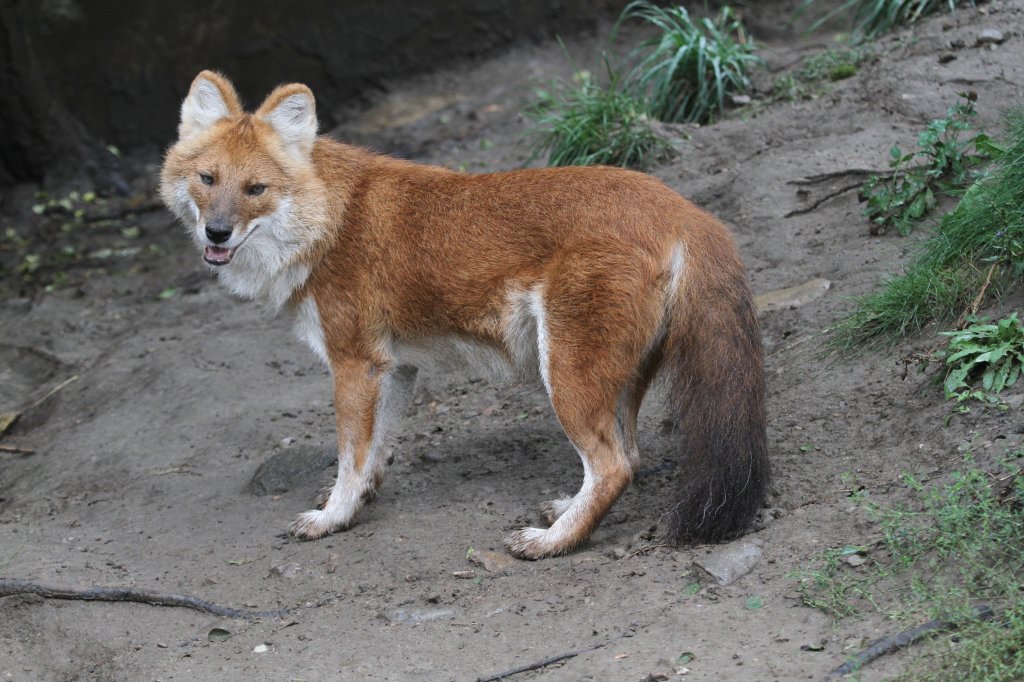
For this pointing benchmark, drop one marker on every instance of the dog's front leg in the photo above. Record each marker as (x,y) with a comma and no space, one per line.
(358,404)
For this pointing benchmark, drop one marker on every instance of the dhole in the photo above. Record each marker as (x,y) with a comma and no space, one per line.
(597,280)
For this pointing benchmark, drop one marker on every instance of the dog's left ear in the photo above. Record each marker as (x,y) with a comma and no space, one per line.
(291,112)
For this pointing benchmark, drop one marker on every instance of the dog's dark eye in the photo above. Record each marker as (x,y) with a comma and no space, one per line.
(256,190)
(206,178)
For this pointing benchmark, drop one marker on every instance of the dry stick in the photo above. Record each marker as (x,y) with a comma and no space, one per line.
(16,450)
(973,310)
(901,640)
(822,177)
(819,202)
(10,586)
(53,390)
(546,662)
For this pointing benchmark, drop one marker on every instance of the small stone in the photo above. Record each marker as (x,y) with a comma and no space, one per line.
(990,36)
(946,57)
(792,297)
(729,563)
(425,616)
(464,575)
(289,571)
(856,560)
(260,649)
(492,562)
(161,645)
(740,100)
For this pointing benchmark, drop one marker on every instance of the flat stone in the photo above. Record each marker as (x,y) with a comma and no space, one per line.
(294,467)
(288,571)
(424,616)
(990,36)
(792,297)
(728,563)
(492,562)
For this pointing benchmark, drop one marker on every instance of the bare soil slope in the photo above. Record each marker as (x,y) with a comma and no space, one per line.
(142,467)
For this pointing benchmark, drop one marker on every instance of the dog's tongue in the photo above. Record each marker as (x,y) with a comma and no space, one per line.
(218,255)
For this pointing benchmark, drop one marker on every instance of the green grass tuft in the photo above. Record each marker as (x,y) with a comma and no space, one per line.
(952,547)
(581,123)
(818,71)
(872,18)
(977,252)
(688,68)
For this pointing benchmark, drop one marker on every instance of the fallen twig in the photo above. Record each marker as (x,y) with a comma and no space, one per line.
(973,310)
(546,662)
(10,586)
(53,390)
(16,450)
(819,202)
(901,640)
(822,177)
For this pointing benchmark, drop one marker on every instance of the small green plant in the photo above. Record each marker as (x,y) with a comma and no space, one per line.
(993,352)
(688,68)
(955,545)
(975,254)
(872,18)
(817,71)
(581,124)
(942,164)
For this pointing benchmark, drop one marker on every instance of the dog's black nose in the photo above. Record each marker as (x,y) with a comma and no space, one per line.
(217,232)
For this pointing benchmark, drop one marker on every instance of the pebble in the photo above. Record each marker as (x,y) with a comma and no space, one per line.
(403,616)
(492,562)
(728,563)
(288,571)
(990,36)
(260,649)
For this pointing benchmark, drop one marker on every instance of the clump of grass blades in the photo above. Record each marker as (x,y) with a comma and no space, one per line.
(872,18)
(581,124)
(977,252)
(686,71)
(817,71)
(954,546)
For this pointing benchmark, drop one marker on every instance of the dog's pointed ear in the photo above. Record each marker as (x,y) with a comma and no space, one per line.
(291,112)
(210,99)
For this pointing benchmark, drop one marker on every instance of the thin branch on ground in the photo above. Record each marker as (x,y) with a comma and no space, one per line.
(819,202)
(546,662)
(16,450)
(10,587)
(822,177)
(901,640)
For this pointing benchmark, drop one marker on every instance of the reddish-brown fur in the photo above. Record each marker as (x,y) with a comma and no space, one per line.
(400,253)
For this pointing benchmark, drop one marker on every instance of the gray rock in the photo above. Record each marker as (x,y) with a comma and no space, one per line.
(492,562)
(990,36)
(424,616)
(291,468)
(728,563)
(288,571)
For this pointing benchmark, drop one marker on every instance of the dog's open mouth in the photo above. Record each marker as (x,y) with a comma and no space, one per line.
(218,255)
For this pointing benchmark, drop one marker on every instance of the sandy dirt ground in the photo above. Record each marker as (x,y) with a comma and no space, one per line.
(146,468)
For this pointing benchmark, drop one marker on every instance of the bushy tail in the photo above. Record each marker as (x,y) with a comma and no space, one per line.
(714,361)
